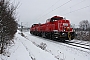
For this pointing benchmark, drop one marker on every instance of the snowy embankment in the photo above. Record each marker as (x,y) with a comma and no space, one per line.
(60,50)
(34,48)
(26,50)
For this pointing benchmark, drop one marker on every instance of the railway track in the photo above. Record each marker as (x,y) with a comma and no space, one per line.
(81,45)
(75,44)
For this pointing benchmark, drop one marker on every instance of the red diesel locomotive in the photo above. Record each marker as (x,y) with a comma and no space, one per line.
(56,28)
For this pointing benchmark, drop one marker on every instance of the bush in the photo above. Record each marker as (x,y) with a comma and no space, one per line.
(8,25)
(43,46)
(83,35)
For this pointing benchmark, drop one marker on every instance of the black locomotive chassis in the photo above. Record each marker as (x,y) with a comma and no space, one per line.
(55,35)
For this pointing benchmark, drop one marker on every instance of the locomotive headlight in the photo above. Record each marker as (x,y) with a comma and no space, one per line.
(68,28)
(64,29)
(63,34)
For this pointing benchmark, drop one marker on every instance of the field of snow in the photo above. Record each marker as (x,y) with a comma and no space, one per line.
(32,47)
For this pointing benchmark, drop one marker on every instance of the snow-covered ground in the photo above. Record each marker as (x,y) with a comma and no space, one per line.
(32,47)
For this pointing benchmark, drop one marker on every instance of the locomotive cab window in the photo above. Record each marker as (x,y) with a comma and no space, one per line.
(55,19)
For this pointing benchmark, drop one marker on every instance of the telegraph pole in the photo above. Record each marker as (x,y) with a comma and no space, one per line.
(89,37)
(21,27)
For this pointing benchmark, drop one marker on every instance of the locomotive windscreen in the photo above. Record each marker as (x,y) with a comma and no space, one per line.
(56,18)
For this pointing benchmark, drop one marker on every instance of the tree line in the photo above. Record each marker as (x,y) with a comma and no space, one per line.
(83,32)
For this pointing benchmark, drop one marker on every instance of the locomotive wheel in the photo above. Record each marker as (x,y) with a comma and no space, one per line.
(47,35)
(40,34)
(53,37)
(43,34)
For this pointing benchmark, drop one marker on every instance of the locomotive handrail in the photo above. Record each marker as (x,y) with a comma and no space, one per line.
(69,35)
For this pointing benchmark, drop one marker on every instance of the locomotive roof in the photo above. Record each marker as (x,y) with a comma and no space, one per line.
(57,18)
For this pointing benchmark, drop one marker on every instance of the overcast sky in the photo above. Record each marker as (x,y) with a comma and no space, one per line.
(37,11)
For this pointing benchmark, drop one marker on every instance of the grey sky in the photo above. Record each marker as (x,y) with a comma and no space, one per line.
(37,11)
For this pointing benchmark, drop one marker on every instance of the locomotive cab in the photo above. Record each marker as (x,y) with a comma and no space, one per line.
(55,18)
(59,28)
(62,29)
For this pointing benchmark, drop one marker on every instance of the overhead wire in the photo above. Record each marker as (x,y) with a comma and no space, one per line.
(56,8)
(53,5)
(62,5)
(73,5)
(68,8)
(77,10)
(50,7)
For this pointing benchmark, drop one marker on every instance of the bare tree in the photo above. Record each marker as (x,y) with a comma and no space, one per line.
(84,32)
(8,24)
(84,24)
